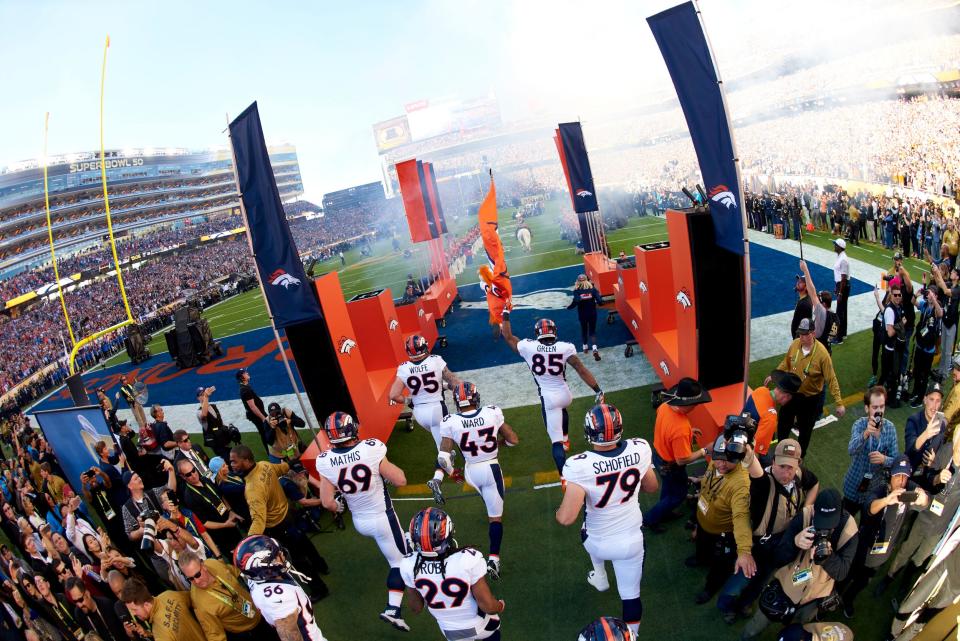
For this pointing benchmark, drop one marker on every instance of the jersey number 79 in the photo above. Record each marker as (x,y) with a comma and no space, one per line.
(628,480)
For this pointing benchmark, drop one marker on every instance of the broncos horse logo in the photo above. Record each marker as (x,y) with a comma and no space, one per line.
(683,297)
(545,299)
(723,196)
(283,279)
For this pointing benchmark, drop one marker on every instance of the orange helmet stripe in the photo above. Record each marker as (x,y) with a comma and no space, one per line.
(425,531)
(607,631)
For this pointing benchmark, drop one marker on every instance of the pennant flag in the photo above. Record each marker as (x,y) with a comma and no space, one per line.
(495,278)
(682,42)
(291,298)
(416,202)
(577,165)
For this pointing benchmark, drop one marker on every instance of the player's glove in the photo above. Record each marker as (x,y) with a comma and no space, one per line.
(599,398)
(445,461)
(341,502)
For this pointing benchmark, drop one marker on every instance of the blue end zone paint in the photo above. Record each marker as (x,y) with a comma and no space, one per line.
(470,346)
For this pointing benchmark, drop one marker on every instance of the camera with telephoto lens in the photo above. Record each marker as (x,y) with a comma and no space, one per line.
(233,434)
(149,517)
(821,545)
(738,432)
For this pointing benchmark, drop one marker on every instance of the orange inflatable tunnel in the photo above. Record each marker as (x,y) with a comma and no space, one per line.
(684,304)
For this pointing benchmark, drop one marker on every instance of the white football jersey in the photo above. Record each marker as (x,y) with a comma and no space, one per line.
(355,471)
(447,594)
(548,363)
(424,379)
(611,480)
(475,434)
(277,600)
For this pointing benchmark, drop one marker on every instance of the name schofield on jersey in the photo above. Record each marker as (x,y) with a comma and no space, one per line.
(342,459)
(618,463)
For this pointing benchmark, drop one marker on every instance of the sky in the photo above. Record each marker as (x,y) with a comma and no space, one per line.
(324,72)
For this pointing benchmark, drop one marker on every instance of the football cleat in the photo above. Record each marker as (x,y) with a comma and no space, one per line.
(434,486)
(598,581)
(603,425)
(340,427)
(493,568)
(466,394)
(607,629)
(596,355)
(431,531)
(417,347)
(545,329)
(392,616)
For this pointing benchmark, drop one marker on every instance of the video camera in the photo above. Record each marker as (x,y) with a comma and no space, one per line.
(738,432)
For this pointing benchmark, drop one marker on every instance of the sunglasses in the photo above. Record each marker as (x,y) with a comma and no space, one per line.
(190,473)
(196,576)
(184,440)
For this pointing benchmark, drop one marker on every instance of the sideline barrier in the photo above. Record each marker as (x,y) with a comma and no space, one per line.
(601,271)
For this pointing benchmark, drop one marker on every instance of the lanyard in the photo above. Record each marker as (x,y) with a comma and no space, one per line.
(808,356)
(233,600)
(203,495)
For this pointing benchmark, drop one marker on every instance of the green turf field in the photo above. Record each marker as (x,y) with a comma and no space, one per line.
(544,564)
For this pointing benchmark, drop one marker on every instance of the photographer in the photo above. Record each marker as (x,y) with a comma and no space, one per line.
(216,435)
(894,342)
(186,521)
(927,338)
(207,503)
(777,494)
(129,394)
(724,542)
(142,500)
(873,446)
(884,514)
(949,298)
(283,442)
(816,550)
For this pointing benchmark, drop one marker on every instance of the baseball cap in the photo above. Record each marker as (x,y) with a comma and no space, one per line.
(216,463)
(901,465)
(199,391)
(934,388)
(827,510)
(241,372)
(787,453)
(841,243)
(805,326)
(126,476)
(273,407)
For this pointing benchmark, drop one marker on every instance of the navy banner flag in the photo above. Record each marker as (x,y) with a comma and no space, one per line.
(435,194)
(289,291)
(682,42)
(577,164)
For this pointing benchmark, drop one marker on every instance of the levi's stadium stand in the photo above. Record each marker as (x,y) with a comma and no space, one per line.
(149,190)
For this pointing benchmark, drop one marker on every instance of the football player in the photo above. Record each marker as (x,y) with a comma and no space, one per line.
(352,473)
(607,629)
(547,359)
(607,478)
(449,580)
(424,376)
(274,591)
(478,432)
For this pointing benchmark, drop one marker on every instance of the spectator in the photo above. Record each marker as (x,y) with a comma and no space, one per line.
(216,436)
(253,405)
(204,499)
(194,455)
(95,614)
(873,448)
(586,298)
(166,445)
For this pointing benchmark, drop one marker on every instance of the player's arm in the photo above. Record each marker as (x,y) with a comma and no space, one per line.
(508,333)
(444,458)
(414,600)
(649,483)
(508,436)
(587,376)
(569,510)
(396,391)
(328,496)
(449,378)
(485,599)
(392,473)
(288,628)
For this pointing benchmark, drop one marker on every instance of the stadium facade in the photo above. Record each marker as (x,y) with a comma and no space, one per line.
(147,189)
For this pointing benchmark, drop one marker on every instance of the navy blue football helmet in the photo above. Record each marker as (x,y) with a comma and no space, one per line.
(431,532)
(603,425)
(607,629)
(340,427)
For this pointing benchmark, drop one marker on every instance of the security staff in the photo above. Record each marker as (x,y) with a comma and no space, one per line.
(270,513)
(724,540)
(222,603)
(809,360)
(168,614)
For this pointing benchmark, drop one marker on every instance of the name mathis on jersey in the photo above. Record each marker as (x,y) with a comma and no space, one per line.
(338,460)
(618,463)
